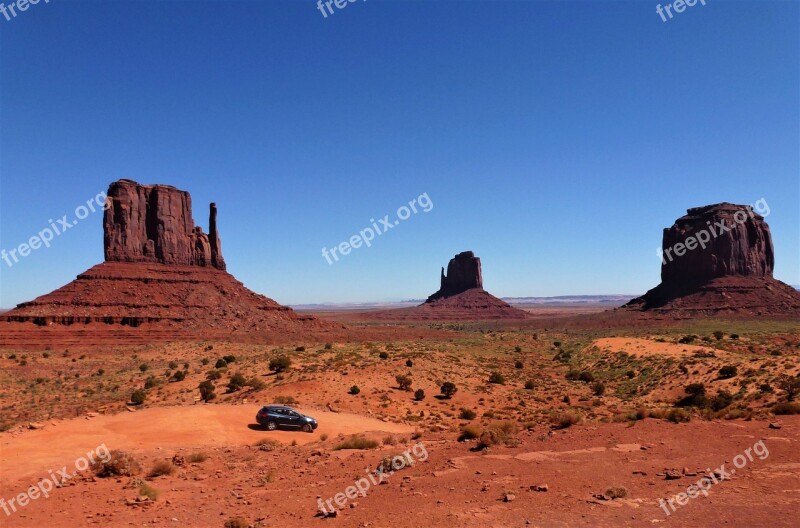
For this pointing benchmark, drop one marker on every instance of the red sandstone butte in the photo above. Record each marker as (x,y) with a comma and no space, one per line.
(161,271)
(461,297)
(732,274)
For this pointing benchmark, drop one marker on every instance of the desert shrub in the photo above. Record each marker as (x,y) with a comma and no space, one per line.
(617,492)
(785,408)
(237,522)
(214,375)
(469,432)
(354,390)
(255,384)
(687,339)
(678,416)
(229,358)
(718,334)
(766,387)
(138,397)
(530,385)
(727,372)
(467,414)
(409,363)
(119,464)
(721,400)
(499,433)
(328,346)
(598,389)
(404,382)
(146,490)
(205,361)
(267,444)
(357,442)
(497,378)
(563,356)
(573,374)
(196,458)
(179,375)
(565,419)
(162,467)
(586,376)
(207,391)
(173,364)
(150,382)
(790,385)
(143,367)
(419,395)
(383,355)
(556,344)
(630,374)
(236,382)
(323,436)
(300,349)
(695,389)
(285,400)
(280,364)
(518,349)
(221,364)
(519,364)
(448,389)
(734,336)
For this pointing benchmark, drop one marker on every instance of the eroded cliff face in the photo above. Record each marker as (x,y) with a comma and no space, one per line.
(720,240)
(719,259)
(153,223)
(463,273)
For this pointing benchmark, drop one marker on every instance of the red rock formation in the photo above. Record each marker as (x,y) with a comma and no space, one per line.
(719,258)
(161,271)
(153,223)
(461,297)
(463,273)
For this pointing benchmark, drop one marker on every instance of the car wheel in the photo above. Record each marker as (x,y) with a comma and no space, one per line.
(307,428)
(271,426)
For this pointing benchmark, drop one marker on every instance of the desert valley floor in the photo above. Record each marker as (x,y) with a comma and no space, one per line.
(564,419)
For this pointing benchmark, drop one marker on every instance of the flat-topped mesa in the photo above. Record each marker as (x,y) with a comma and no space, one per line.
(463,273)
(718,259)
(153,223)
(720,240)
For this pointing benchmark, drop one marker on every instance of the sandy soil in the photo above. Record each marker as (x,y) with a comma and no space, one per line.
(33,452)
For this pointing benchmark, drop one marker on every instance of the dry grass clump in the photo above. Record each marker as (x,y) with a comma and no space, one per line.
(356,442)
(145,490)
(162,467)
(617,492)
(196,458)
(119,464)
(565,419)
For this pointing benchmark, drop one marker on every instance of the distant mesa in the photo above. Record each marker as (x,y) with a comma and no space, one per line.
(463,273)
(460,297)
(160,270)
(718,259)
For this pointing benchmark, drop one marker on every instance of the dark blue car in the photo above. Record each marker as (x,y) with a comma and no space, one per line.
(280,417)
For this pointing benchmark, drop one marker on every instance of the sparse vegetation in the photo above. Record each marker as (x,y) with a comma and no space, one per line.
(280,364)
(448,389)
(356,442)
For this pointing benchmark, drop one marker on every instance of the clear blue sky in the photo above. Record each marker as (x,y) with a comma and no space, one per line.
(555,139)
